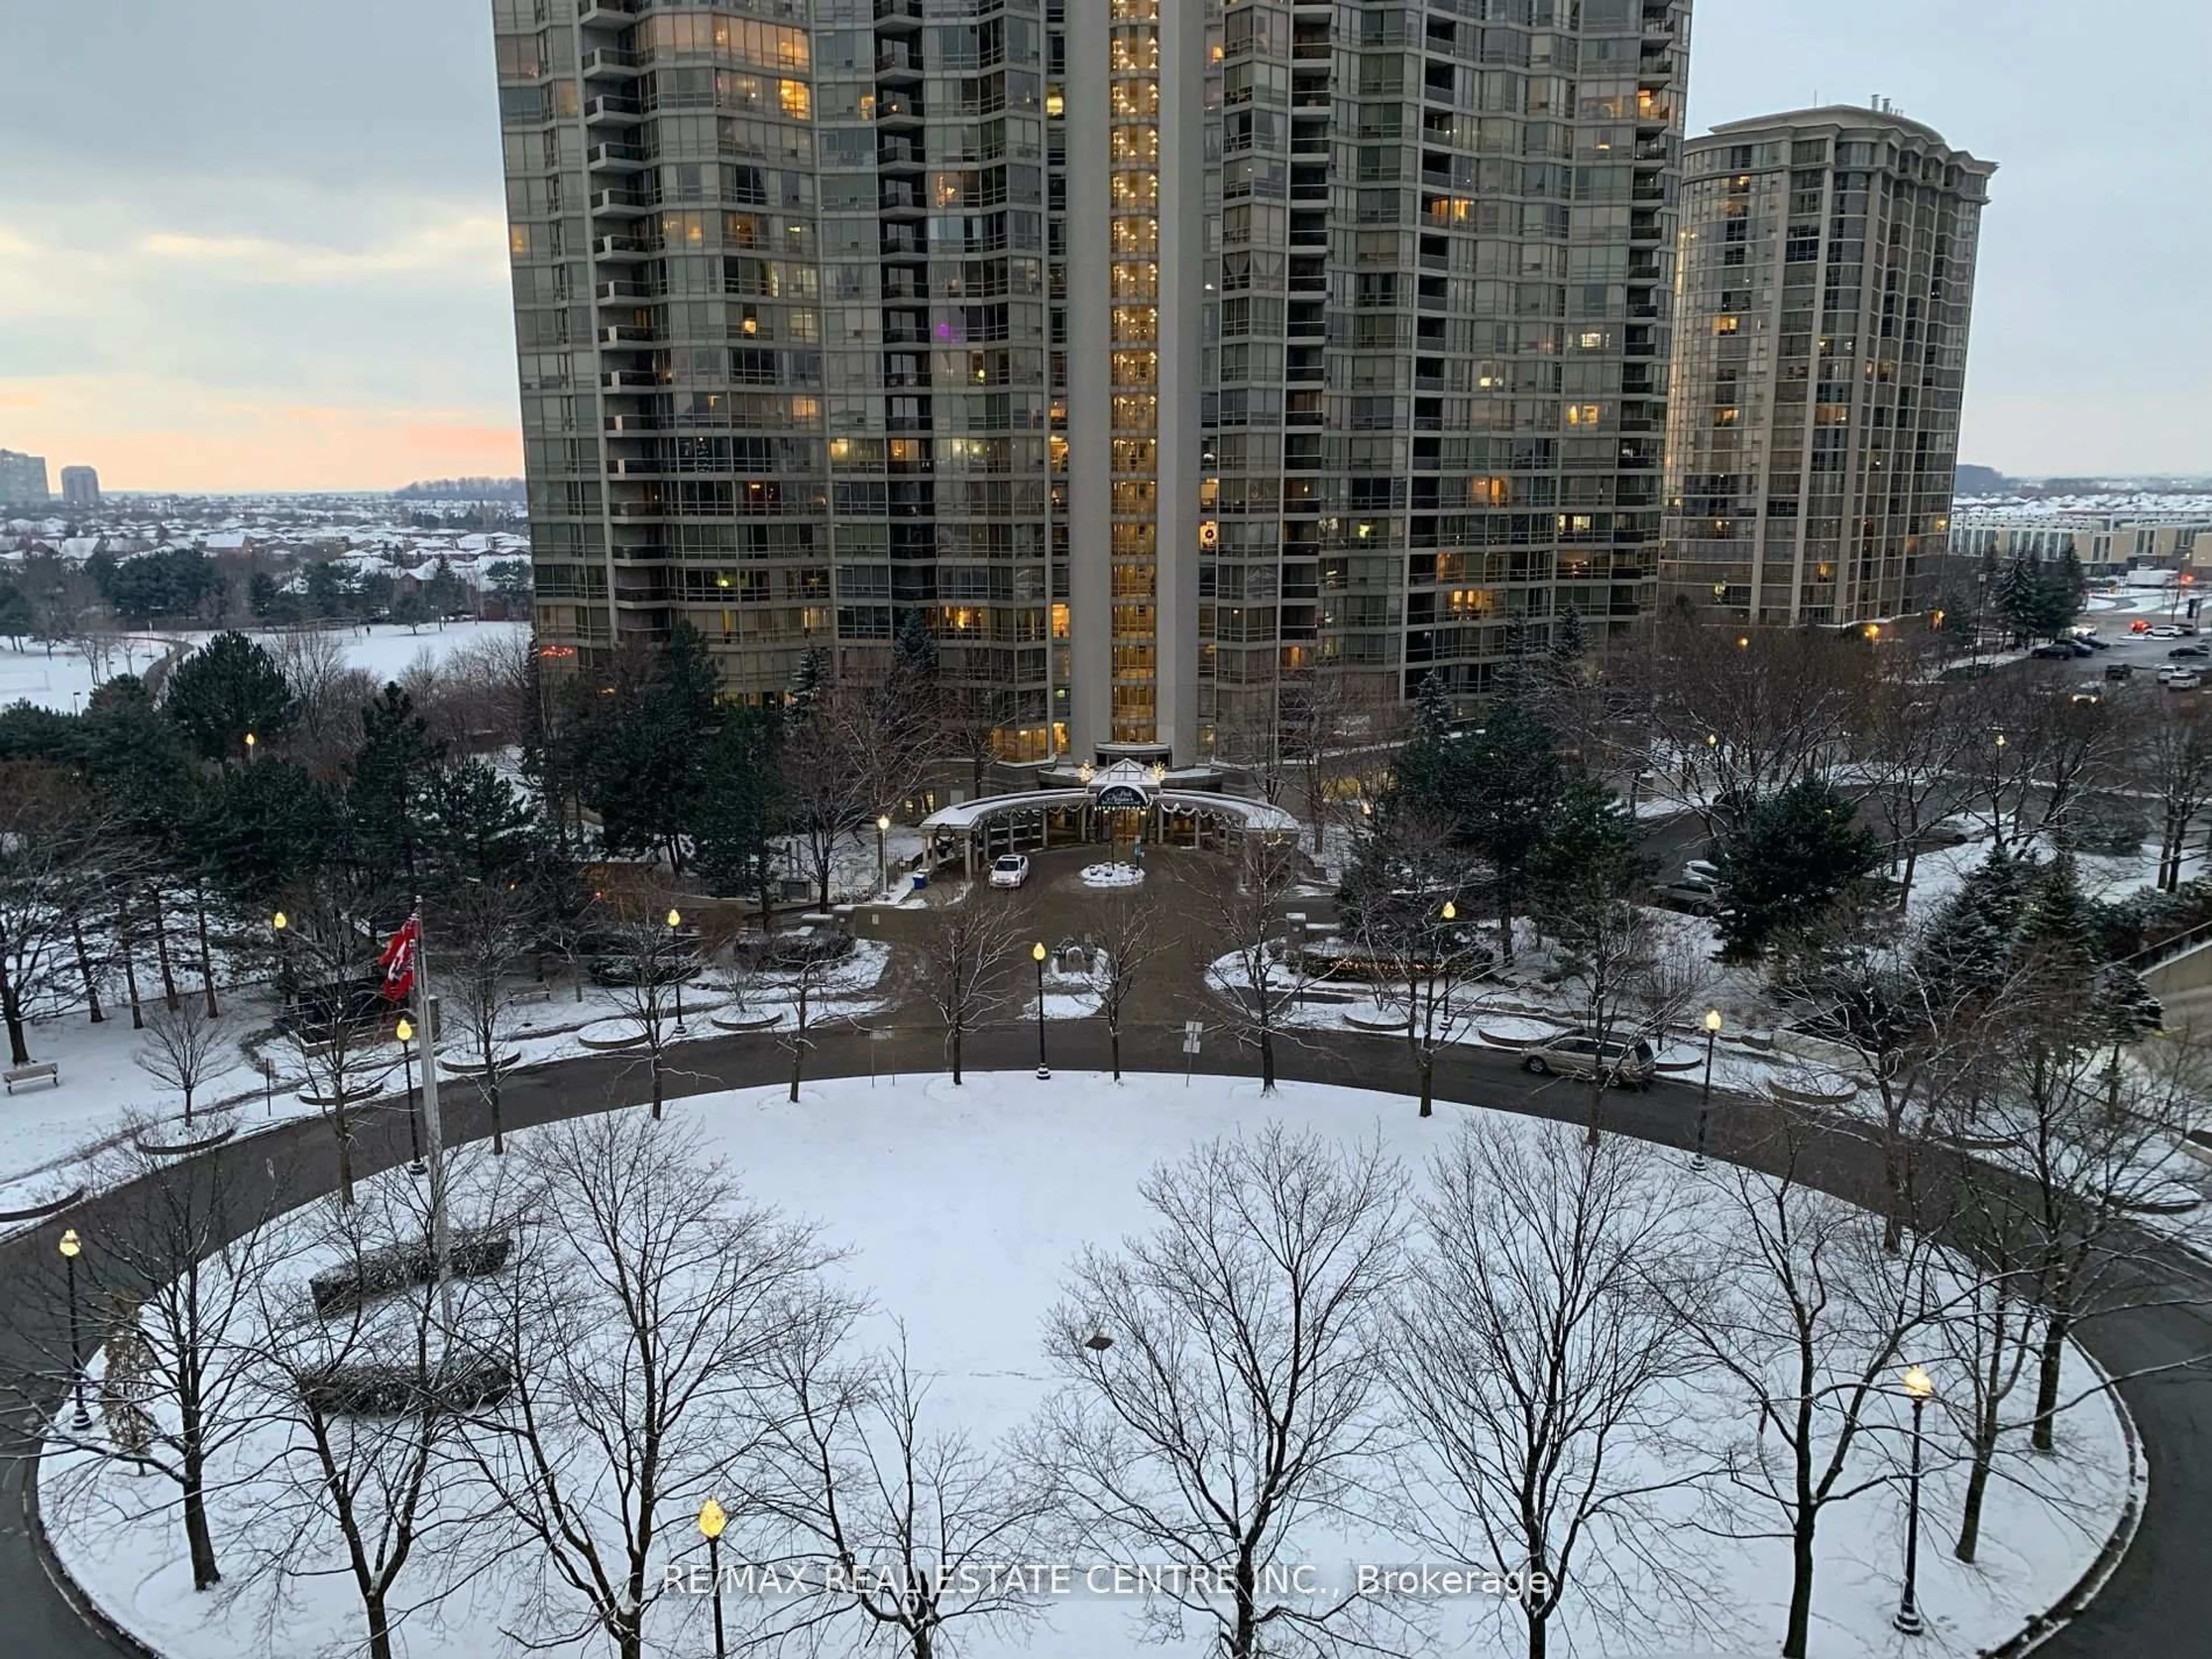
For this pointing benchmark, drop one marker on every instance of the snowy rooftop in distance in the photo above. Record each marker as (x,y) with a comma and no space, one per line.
(2127,508)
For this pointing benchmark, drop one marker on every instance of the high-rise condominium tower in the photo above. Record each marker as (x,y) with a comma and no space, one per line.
(22,479)
(79,487)
(1157,355)
(1827,283)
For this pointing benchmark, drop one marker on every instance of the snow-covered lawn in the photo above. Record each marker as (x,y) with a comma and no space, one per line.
(385,650)
(961,1209)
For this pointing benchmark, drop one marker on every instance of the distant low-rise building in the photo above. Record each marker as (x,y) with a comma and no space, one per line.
(80,488)
(23,480)
(2110,536)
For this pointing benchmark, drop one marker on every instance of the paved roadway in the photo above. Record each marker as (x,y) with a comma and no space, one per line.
(2160,1590)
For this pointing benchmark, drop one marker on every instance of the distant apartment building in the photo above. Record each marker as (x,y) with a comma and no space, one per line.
(1156,355)
(22,480)
(1825,293)
(2108,540)
(80,488)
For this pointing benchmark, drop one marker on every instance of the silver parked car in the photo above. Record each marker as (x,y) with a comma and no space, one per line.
(1579,1054)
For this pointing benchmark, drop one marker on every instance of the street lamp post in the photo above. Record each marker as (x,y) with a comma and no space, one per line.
(251,740)
(1919,1387)
(675,922)
(282,922)
(405,1032)
(712,1520)
(883,856)
(1038,955)
(1705,1095)
(70,1246)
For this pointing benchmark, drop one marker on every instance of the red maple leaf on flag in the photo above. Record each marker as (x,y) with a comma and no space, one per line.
(398,961)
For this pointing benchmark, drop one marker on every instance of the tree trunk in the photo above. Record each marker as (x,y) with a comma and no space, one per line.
(207,961)
(129,963)
(1540,1630)
(11,1009)
(2053,1359)
(345,1142)
(1267,1060)
(1893,1177)
(956,1054)
(491,1099)
(379,1624)
(1505,924)
(1798,1631)
(1597,1107)
(162,954)
(1114,1041)
(1978,1486)
(1911,863)
(84,968)
(656,1081)
(205,1575)
(1428,1082)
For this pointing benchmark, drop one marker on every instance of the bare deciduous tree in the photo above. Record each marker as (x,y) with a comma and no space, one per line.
(2173,765)
(1536,1352)
(1254,978)
(181,1281)
(1741,712)
(188,1053)
(1810,1328)
(1128,937)
(373,1401)
(901,1524)
(845,760)
(482,938)
(338,1027)
(654,1310)
(651,961)
(52,873)
(1425,957)
(968,955)
(1630,978)
(1222,1390)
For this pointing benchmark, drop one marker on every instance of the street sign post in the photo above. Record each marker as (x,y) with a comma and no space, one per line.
(1192,1031)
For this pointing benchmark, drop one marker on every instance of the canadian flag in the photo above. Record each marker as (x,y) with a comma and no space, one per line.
(398,961)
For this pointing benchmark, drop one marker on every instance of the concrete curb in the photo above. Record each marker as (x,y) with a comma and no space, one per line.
(50,1562)
(2063,1612)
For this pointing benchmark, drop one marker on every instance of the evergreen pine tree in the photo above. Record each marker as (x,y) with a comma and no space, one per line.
(807,684)
(1511,788)
(741,813)
(387,772)
(1795,854)
(473,826)
(230,686)
(1426,774)
(1588,860)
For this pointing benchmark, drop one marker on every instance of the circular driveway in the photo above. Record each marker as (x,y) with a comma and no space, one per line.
(2161,1588)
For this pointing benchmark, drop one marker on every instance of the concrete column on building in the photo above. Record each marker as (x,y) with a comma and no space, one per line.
(1183,265)
(1090,400)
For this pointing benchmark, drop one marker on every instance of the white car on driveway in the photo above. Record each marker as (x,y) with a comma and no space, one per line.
(1009,870)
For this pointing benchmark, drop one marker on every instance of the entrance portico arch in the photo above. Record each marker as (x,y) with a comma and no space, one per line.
(1124,801)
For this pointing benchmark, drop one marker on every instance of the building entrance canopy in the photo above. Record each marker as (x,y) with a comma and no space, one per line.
(1123,798)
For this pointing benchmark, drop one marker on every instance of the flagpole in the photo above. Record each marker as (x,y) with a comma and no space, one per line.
(433,1135)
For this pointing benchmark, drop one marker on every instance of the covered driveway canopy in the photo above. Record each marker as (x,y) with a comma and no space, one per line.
(1123,801)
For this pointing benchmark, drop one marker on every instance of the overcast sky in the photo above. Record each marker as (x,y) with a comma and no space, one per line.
(261,245)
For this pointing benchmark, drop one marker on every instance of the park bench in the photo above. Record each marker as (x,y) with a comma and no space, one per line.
(49,1071)
(531,994)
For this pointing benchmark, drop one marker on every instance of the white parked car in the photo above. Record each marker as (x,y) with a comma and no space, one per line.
(1700,875)
(1009,870)
(2191,680)
(2167,631)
